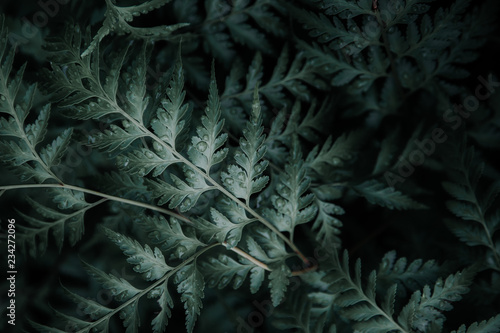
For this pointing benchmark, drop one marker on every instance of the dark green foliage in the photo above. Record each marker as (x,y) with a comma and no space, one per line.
(237,153)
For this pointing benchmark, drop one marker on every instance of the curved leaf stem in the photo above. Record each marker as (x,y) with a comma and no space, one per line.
(99,194)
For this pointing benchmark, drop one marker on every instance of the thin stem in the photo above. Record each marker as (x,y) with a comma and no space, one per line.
(249,257)
(99,194)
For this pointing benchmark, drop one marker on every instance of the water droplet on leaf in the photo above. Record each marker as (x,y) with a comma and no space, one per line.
(201,146)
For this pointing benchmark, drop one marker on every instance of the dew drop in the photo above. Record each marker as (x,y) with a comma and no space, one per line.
(186,203)
(241,176)
(2,98)
(201,146)
(158,147)
(280,203)
(257,168)
(149,154)
(229,181)
(224,281)
(337,162)
(205,137)
(179,252)
(238,281)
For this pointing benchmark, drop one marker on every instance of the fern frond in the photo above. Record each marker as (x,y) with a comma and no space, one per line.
(34,237)
(326,225)
(267,247)
(473,226)
(204,150)
(333,154)
(226,23)
(296,314)
(118,18)
(291,205)
(150,263)
(21,151)
(492,325)
(296,78)
(423,312)
(181,193)
(245,179)
(173,116)
(222,229)
(377,193)
(179,242)
(220,272)
(359,303)
(410,276)
(426,307)
(190,284)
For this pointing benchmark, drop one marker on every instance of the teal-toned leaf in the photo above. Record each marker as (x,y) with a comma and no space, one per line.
(173,116)
(119,288)
(377,193)
(204,150)
(179,242)
(150,263)
(190,284)
(181,193)
(245,179)
(278,282)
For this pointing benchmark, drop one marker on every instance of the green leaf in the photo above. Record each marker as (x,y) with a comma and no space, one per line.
(204,150)
(119,288)
(34,238)
(377,193)
(180,193)
(160,322)
(245,179)
(222,229)
(278,282)
(431,303)
(492,325)
(53,152)
(117,137)
(334,154)
(190,284)
(150,263)
(173,116)
(179,242)
(220,272)
(117,18)
(291,206)
(142,161)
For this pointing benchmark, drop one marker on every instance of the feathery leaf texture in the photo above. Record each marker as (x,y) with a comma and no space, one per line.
(118,18)
(21,151)
(291,206)
(245,178)
(183,178)
(67,220)
(377,193)
(473,226)
(400,43)
(425,307)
